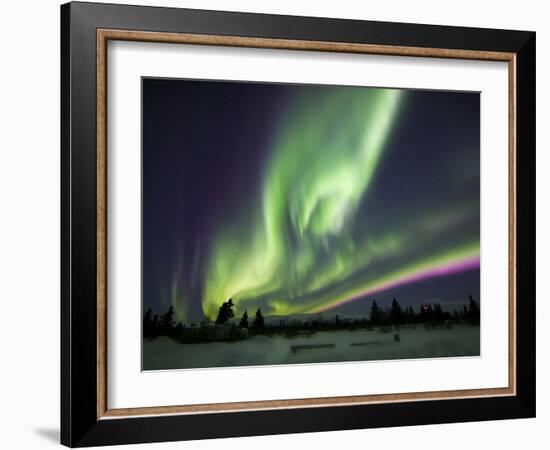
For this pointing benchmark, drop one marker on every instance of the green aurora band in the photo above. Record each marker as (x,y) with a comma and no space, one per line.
(300,247)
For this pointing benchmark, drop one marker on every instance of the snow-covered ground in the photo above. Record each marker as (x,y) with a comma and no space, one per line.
(419,342)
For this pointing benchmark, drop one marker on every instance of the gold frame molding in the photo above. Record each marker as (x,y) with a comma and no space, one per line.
(104,35)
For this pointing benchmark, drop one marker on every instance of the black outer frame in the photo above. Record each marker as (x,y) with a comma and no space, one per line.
(79,423)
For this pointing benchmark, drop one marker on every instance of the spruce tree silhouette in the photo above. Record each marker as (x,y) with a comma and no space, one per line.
(167,322)
(244,321)
(148,323)
(226,312)
(396,313)
(473,310)
(259,323)
(375,313)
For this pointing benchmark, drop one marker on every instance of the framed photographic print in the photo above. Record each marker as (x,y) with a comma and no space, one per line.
(276,224)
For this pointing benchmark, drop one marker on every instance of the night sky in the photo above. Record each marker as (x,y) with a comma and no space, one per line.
(302,199)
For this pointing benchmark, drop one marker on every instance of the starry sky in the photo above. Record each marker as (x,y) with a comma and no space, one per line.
(307,198)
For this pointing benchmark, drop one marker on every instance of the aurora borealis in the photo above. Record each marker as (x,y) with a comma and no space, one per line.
(301,199)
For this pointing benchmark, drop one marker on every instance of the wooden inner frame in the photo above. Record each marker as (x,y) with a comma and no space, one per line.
(104,35)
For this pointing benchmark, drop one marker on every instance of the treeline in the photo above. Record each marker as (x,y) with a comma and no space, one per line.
(155,325)
(427,313)
(224,329)
(226,313)
(160,325)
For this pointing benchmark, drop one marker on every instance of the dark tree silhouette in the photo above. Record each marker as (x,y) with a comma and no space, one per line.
(438,313)
(148,329)
(375,313)
(396,313)
(167,322)
(259,323)
(226,312)
(244,320)
(473,310)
